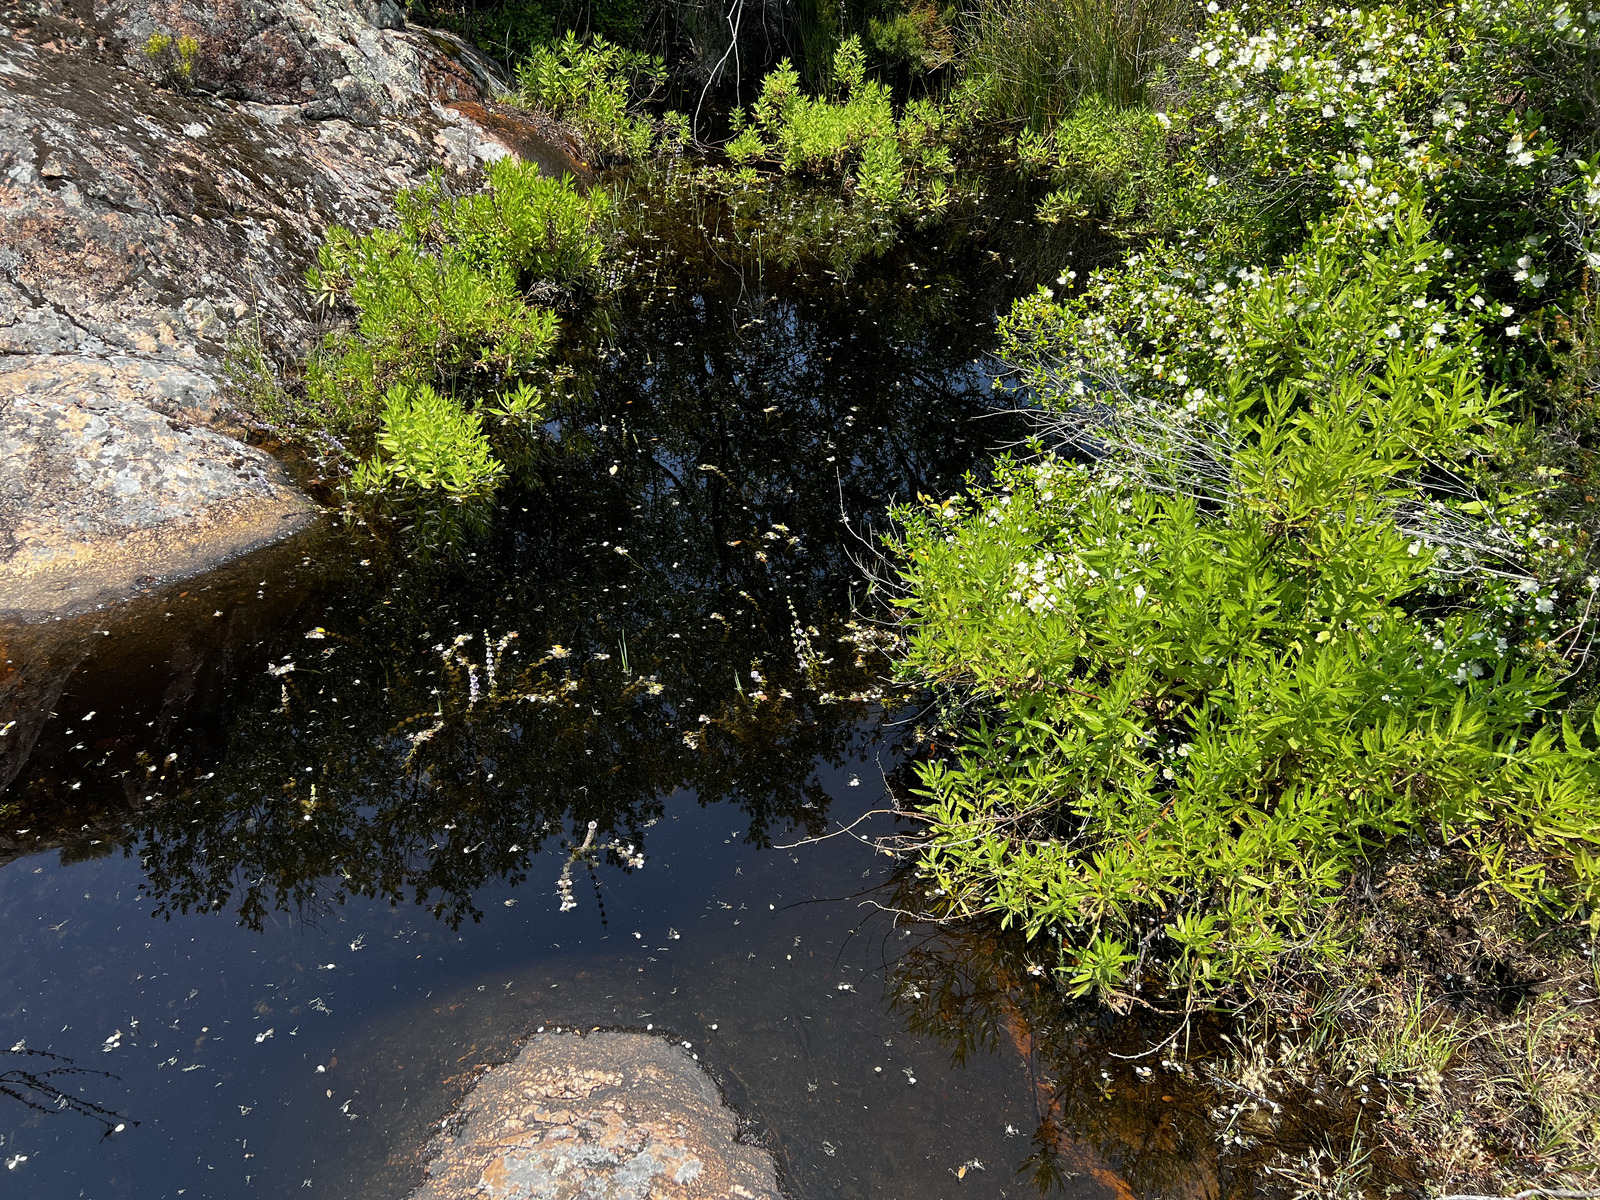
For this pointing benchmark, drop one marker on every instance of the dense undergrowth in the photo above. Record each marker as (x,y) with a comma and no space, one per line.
(1296,587)
(436,374)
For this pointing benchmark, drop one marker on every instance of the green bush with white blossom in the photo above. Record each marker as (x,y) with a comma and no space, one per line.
(1491,107)
(1278,594)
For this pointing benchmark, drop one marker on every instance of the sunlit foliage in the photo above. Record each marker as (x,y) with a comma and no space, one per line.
(601,90)
(446,346)
(1285,599)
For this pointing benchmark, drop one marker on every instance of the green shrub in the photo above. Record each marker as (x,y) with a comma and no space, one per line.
(919,38)
(850,134)
(442,316)
(599,88)
(423,317)
(173,57)
(427,441)
(526,228)
(1101,162)
(1246,644)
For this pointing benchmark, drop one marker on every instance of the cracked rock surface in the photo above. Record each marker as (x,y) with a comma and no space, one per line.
(602,1116)
(145,222)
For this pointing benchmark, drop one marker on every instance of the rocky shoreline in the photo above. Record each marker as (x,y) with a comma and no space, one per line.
(148,220)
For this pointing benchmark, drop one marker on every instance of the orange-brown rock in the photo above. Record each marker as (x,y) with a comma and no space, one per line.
(602,1116)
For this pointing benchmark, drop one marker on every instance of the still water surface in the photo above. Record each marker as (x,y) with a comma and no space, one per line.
(288,851)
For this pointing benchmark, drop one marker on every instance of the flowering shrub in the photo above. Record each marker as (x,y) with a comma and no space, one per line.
(1283,598)
(1245,644)
(1299,109)
(1195,728)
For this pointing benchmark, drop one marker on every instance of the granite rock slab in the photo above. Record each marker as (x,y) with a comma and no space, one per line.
(601,1116)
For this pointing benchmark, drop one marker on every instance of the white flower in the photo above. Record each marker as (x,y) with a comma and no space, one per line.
(1544,604)
(1393,331)
(1513,330)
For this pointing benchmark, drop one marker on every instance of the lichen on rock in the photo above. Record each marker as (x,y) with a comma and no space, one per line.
(608,1116)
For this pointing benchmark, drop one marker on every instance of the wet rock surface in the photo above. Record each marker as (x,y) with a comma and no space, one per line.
(146,222)
(607,1116)
(100,491)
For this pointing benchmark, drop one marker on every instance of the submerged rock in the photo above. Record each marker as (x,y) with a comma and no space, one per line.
(149,218)
(603,1116)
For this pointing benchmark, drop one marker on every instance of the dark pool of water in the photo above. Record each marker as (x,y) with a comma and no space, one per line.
(319,1052)
(283,847)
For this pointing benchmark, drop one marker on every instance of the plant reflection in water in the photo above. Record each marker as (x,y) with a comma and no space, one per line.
(47,1083)
(667,610)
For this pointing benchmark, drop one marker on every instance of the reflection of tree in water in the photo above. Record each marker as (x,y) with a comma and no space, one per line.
(42,1085)
(673,617)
